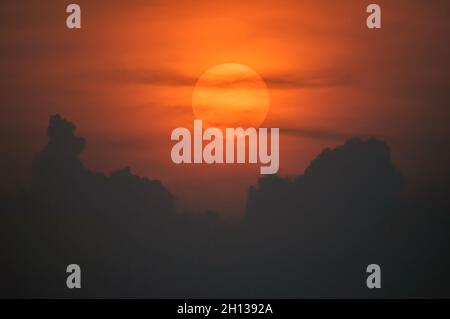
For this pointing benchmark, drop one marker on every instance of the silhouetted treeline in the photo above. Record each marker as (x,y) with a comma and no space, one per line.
(308,236)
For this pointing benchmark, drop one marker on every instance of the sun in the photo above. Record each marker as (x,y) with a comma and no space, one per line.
(231,95)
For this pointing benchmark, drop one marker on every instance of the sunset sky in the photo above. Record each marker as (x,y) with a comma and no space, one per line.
(126,80)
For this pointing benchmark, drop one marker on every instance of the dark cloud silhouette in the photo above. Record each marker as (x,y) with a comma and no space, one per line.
(344,212)
(311,235)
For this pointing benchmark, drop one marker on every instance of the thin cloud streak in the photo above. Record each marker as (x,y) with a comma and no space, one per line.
(280,81)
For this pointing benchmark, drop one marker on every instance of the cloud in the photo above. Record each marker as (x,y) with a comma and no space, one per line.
(163,77)
(307,236)
(275,80)
(322,79)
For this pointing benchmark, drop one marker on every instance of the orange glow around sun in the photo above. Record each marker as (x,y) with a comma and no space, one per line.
(231,95)
(137,70)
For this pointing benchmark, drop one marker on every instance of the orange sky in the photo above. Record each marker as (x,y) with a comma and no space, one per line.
(126,80)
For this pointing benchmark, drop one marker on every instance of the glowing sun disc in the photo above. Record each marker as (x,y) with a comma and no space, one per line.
(230,95)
